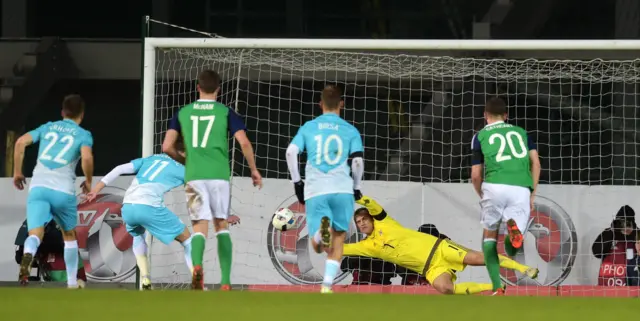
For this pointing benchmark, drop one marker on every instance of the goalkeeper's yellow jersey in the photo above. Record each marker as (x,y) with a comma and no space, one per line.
(392,242)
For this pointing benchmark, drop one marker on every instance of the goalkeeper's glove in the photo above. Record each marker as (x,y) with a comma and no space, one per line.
(357,194)
(299,188)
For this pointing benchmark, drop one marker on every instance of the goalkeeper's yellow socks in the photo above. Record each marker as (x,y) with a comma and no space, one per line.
(490,250)
(471,287)
(140,251)
(508,247)
(197,249)
(225,252)
(510,264)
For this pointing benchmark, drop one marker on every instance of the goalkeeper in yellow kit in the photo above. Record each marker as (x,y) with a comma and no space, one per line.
(436,259)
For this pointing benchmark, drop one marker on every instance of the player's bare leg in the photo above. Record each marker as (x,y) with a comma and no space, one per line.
(491,260)
(225,252)
(198,240)
(475,258)
(31,245)
(444,284)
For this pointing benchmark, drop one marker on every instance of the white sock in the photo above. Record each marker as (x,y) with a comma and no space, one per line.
(187,254)
(71,258)
(331,269)
(31,244)
(317,237)
(140,251)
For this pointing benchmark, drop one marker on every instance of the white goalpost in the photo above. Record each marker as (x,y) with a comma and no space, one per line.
(417,104)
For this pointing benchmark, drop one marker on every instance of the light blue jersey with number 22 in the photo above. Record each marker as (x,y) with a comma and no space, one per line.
(329,141)
(58,154)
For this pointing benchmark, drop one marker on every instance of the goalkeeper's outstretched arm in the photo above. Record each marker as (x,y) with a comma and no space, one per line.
(372,207)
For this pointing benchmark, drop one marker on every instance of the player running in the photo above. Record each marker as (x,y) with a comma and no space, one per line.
(511,168)
(437,259)
(330,141)
(143,207)
(52,191)
(205,125)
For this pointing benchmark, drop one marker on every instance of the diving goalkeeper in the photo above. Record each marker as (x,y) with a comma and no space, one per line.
(435,258)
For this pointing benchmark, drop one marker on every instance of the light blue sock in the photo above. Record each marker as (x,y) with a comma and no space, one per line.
(71,261)
(187,254)
(331,269)
(31,244)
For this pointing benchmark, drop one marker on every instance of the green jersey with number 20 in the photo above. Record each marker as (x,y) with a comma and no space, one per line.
(504,150)
(205,126)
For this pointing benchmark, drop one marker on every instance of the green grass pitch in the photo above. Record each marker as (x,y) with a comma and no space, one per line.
(121,305)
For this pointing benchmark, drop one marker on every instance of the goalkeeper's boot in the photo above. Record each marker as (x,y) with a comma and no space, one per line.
(146,284)
(501,291)
(25,268)
(532,273)
(197,280)
(326,289)
(515,236)
(325,234)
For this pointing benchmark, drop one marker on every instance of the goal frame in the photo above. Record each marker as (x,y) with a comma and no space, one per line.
(152,44)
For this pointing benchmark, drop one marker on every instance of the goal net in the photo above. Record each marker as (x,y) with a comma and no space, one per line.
(417,108)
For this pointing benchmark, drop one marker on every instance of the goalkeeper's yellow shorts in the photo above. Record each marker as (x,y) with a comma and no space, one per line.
(448,258)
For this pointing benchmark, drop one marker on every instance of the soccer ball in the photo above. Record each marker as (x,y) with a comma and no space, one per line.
(283,219)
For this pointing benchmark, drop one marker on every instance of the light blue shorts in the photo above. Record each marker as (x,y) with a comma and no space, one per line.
(337,207)
(44,204)
(159,221)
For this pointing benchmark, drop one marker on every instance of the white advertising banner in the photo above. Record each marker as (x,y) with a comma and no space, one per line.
(563,228)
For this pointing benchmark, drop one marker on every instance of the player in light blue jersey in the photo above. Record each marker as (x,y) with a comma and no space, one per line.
(143,207)
(330,142)
(52,191)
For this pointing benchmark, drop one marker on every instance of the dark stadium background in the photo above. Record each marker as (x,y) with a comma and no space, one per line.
(113,111)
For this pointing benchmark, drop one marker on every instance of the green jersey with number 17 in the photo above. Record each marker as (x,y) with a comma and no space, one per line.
(205,126)
(504,150)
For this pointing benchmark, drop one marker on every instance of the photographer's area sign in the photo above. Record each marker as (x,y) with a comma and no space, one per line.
(562,238)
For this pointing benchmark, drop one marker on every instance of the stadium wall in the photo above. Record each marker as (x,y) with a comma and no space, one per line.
(567,221)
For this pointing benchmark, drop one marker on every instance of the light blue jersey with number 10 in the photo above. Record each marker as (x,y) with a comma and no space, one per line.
(156,175)
(329,141)
(58,155)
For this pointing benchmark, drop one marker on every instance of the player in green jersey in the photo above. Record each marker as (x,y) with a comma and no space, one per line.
(205,126)
(509,159)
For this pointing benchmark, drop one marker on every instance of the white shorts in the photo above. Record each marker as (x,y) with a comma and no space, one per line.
(208,199)
(503,202)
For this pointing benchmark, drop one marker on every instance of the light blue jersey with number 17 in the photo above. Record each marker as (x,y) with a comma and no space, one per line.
(58,155)
(329,141)
(155,176)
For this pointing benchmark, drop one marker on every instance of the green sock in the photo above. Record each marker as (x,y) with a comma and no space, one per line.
(508,248)
(225,251)
(490,250)
(197,249)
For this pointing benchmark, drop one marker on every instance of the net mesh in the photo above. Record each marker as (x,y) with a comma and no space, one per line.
(417,115)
